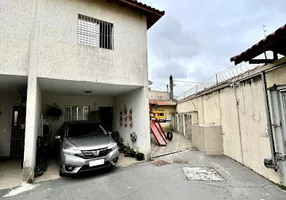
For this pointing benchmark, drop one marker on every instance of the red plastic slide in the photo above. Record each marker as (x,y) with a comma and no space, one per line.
(160,137)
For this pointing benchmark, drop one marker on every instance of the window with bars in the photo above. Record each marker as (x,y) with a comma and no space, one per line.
(94,32)
(76,113)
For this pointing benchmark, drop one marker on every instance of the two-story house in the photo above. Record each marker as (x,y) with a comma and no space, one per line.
(83,55)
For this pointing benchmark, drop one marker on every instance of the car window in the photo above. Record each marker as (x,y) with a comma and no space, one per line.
(85,130)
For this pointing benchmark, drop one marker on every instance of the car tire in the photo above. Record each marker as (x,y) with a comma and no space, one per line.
(62,174)
(169,135)
(110,168)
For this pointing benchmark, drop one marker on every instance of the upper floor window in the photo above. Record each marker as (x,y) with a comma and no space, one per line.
(94,32)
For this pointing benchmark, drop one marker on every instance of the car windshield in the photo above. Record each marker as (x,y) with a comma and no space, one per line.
(85,130)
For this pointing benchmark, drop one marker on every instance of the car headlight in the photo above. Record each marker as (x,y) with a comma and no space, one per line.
(71,151)
(112,146)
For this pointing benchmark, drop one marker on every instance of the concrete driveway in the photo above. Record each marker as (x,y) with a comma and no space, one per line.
(221,178)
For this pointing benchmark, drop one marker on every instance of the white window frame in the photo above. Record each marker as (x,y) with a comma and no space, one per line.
(69,114)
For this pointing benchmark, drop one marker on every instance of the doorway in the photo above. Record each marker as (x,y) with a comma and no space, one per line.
(106,117)
(18,132)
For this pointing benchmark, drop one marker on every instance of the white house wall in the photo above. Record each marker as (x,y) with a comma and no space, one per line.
(15,27)
(8,99)
(138,101)
(61,57)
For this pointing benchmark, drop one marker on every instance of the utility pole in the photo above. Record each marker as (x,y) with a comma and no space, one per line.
(167,88)
(171,87)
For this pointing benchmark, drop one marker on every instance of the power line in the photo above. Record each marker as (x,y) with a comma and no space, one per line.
(186,81)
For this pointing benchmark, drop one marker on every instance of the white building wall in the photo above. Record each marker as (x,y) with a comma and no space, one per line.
(15,28)
(60,56)
(138,101)
(8,99)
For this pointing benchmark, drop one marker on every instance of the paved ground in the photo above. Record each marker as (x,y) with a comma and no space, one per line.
(179,143)
(146,181)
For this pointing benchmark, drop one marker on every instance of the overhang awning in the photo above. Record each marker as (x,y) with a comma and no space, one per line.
(275,42)
(162,103)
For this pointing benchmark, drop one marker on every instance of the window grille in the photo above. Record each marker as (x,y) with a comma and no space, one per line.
(94,32)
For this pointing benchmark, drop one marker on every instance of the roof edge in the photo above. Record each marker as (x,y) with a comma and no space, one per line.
(153,14)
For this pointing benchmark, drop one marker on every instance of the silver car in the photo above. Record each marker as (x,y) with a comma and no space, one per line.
(85,146)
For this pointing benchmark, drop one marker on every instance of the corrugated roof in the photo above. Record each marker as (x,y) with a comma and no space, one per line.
(153,14)
(163,103)
(274,42)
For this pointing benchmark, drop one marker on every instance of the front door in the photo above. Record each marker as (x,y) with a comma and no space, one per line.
(106,117)
(18,131)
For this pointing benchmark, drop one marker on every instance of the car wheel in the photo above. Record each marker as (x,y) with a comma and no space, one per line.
(169,135)
(62,174)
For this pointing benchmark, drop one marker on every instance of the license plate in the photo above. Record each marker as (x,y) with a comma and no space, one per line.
(96,162)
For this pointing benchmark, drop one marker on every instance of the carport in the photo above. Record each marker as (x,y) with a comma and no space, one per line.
(77,99)
(12,128)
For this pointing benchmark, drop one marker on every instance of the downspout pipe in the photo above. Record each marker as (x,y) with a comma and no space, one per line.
(269,123)
(234,85)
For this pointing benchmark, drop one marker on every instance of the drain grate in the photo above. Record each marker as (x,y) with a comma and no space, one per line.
(202,174)
(159,162)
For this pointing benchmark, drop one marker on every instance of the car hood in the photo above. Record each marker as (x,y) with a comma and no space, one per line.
(91,143)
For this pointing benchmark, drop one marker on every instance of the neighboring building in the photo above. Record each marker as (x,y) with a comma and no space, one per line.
(163,106)
(81,55)
(244,116)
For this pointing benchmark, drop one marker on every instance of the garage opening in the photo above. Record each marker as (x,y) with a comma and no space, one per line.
(102,103)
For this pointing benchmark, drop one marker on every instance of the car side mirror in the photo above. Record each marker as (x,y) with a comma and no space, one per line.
(57,137)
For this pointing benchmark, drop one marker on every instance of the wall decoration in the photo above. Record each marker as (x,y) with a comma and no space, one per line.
(121,118)
(125,117)
(131,125)
(125,109)
(130,118)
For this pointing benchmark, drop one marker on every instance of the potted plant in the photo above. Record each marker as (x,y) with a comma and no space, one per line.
(94,116)
(54,111)
(140,156)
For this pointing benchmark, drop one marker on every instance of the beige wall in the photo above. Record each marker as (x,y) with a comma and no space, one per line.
(159,95)
(241,114)
(8,99)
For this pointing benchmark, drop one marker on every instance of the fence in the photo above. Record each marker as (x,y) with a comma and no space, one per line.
(218,78)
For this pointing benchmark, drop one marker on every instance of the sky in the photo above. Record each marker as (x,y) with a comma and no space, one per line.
(195,39)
